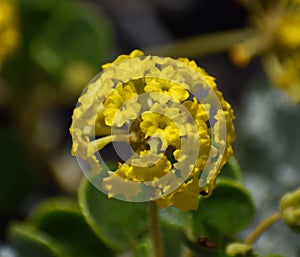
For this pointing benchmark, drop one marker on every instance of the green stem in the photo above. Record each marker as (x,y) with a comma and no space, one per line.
(204,44)
(262,227)
(155,230)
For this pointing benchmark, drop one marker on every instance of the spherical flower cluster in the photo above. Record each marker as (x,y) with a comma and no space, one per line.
(171,114)
(9,34)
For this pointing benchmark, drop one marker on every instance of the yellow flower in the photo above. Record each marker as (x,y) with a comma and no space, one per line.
(277,40)
(167,87)
(165,122)
(9,33)
(116,102)
(226,113)
(288,31)
(101,128)
(284,71)
(149,166)
(185,197)
(179,139)
(82,147)
(122,57)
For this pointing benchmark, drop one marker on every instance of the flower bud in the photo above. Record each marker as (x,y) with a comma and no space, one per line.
(238,249)
(290,209)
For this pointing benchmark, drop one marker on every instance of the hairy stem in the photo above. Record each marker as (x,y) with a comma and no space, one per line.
(155,230)
(262,227)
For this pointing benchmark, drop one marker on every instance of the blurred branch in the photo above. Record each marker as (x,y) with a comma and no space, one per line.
(203,44)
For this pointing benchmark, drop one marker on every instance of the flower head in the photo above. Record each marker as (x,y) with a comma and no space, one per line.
(175,122)
(277,40)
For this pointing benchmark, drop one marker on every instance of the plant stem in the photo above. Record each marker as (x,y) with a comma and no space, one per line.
(155,230)
(263,226)
(204,44)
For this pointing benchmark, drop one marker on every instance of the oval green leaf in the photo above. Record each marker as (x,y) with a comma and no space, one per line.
(30,242)
(172,240)
(228,211)
(62,220)
(117,223)
(231,170)
(144,247)
(176,218)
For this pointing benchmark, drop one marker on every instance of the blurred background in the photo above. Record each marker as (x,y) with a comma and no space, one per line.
(50,49)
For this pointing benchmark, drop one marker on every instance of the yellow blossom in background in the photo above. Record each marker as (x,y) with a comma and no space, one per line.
(165,125)
(9,31)
(277,40)
(285,73)
(288,31)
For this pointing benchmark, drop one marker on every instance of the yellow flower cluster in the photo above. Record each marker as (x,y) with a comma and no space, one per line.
(179,144)
(9,33)
(278,41)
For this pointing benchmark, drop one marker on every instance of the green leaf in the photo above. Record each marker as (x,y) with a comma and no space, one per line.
(117,223)
(231,170)
(29,242)
(144,247)
(228,211)
(176,217)
(61,219)
(172,239)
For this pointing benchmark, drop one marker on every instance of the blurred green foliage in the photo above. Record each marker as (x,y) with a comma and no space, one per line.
(61,47)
